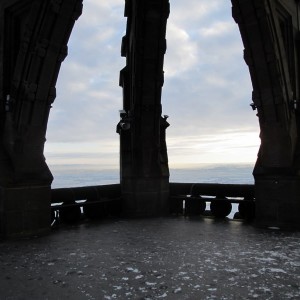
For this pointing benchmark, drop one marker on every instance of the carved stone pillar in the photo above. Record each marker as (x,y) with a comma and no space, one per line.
(34,36)
(144,163)
(270,33)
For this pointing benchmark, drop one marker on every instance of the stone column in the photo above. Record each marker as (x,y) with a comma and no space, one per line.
(270,33)
(144,163)
(32,48)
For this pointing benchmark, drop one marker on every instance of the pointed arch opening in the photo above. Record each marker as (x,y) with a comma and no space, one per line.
(207,88)
(81,138)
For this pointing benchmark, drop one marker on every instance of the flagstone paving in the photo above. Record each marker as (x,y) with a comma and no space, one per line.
(160,258)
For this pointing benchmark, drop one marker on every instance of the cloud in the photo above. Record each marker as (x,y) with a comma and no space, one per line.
(227,147)
(182,55)
(207,87)
(183,12)
(213,91)
(88,94)
(217,29)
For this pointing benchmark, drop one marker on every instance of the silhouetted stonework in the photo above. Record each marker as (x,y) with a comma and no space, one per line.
(144,162)
(34,36)
(270,33)
(33,44)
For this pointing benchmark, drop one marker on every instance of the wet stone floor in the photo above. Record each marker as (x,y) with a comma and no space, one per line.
(160,258)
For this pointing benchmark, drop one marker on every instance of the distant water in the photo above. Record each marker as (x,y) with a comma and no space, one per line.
(215,173)
(85,175)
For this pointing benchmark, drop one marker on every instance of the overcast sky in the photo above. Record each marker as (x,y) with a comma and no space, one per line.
(206,94)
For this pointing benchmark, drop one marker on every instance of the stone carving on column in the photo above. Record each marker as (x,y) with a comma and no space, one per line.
(144,164)
(34,36)
(270,33)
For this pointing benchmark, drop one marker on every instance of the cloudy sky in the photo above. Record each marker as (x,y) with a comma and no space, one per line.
(206,94)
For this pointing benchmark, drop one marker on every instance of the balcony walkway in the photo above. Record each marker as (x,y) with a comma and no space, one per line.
(165,258)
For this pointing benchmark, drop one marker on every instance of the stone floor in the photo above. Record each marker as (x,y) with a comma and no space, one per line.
(171,258)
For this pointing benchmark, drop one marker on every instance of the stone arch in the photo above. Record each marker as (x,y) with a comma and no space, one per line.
(269,31)
(33,45)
